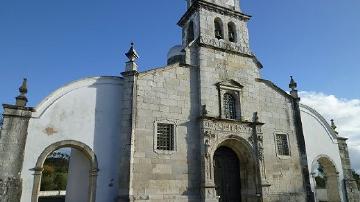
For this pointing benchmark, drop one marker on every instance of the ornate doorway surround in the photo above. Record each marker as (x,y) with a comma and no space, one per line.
(245,140)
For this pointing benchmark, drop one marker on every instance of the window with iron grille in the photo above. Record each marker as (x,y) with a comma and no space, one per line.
(282,144)
(229,106)
(165,137)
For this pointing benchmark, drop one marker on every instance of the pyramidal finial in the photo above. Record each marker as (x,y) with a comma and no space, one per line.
(333,126)
(131,65)
(293,86)
(132,54)
(22,100)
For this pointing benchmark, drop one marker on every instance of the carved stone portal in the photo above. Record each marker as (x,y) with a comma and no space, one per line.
(239,137)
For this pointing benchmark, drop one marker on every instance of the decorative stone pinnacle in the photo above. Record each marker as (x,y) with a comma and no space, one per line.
(22,100)
(132,54)
(131,65)
(333,126)
(293,84)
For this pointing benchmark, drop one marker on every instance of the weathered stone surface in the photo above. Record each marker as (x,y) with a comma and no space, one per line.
(352,191)
(12,145)
(117,119)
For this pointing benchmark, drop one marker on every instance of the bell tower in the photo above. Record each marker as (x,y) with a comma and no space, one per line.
(231,4)
(217,24)
(216,45)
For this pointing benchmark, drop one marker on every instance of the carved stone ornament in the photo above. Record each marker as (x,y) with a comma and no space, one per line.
(209,135)
(219,44)
(227,127)
(207,146)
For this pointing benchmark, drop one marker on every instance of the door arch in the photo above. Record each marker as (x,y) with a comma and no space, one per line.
(227,175)
(240,161)
(84,149)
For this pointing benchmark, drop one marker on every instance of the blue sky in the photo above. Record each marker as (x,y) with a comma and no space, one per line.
(53,42)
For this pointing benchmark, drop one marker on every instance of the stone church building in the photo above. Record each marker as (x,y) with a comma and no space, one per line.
(206,127)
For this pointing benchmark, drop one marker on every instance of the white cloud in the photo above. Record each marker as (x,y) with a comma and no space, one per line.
(346,114)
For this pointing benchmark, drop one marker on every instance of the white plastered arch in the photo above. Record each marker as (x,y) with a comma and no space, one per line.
(321,142)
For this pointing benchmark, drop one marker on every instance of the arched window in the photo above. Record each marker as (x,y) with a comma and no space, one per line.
(232,32)
(229,106)
(219,33)
(190,32)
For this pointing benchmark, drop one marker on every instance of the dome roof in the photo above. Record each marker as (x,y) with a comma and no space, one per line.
(175,51)
(175,54)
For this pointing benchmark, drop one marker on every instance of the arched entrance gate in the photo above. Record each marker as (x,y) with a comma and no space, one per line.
(326,179)
(84,149)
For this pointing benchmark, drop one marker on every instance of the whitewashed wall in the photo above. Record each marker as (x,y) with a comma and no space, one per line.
(320,141)
(87,111)
(78,177)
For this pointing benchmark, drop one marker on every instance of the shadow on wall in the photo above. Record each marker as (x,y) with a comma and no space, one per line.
(193,139)
(107,143)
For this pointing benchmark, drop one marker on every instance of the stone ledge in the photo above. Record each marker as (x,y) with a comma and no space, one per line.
(14,107)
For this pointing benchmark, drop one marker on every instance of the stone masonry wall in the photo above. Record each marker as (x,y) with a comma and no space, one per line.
(219,62)
(167,95)
(274,109)
(12,144)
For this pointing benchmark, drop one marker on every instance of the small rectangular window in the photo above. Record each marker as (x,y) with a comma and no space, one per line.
(165,136)
(282,145)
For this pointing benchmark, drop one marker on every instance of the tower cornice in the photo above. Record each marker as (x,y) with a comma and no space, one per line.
(211,7)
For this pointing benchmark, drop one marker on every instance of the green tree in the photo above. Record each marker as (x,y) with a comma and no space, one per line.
(54,176)
(357,178)
(47,178)
(320,182)
(60,181)
(320,179)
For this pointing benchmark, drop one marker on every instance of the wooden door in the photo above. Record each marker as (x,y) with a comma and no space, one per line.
(227,175)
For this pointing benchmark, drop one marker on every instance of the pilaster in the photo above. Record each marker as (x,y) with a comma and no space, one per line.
(351,189)
(130,76)
(12,145)
(301,141)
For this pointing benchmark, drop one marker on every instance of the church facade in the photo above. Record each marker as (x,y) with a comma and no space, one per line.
(206,127)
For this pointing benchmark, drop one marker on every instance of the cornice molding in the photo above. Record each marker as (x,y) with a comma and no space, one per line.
(211,7)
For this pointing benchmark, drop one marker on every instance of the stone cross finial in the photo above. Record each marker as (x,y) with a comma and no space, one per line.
(22,100)
(255,117)
(333,126)
(293,86)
